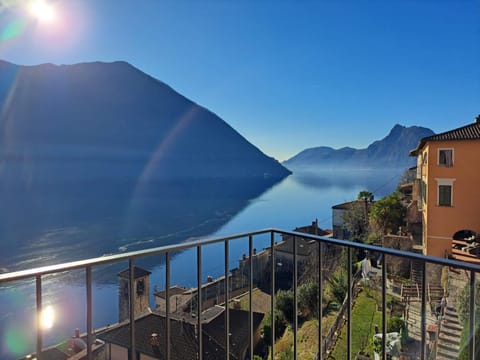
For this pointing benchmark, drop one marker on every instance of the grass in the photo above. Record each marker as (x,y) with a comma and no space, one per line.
(307,339)
(364,318)
(260,301)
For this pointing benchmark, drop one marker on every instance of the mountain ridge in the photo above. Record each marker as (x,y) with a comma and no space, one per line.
(392,151)
(55,110)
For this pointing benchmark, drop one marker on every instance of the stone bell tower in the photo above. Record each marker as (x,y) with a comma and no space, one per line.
(141,294)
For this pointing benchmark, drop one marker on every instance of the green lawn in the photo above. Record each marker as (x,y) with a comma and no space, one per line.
(365,317)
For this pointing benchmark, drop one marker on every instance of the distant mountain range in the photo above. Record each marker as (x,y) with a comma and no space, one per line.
(103,119)
(390,152)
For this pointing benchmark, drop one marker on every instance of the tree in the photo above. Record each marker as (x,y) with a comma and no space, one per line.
(387,213)
(308,298)
(284,303)
(279,326)
(356,218)
(338,284)
(366,196)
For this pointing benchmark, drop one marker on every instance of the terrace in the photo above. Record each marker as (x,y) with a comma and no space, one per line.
(214,338)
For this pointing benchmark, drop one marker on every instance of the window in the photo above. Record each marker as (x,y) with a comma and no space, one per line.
(445,157)
(444,195)
(445,192)
(424,191)
(140,287)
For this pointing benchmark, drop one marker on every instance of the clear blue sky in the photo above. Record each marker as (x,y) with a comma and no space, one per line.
(286,74)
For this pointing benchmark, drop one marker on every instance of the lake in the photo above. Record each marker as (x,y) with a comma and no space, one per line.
(40,226)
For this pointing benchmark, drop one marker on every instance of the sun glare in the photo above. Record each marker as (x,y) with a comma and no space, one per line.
(47,317)
(42,11)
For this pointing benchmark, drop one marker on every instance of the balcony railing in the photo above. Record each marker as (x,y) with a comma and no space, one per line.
(321,353)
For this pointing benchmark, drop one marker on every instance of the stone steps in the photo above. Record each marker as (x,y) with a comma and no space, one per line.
(448,346)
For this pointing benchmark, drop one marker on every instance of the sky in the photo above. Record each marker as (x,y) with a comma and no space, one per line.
(287,75)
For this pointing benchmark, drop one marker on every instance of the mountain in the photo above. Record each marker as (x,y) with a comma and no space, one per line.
(390,152)
(103,119)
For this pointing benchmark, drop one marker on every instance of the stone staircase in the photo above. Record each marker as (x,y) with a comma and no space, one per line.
(448,346)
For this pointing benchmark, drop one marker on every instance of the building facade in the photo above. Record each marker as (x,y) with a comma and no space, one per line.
(448,172)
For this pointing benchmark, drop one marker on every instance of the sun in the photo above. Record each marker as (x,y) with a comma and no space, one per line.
(47,317)
(42,11)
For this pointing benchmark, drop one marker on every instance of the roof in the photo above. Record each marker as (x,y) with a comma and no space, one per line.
(183,339)
(183,345)
(467,132)
(174,290)
(238,330)
(286,246)
(344,206)
(139,272)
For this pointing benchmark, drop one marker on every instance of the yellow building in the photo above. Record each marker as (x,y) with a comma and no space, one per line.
(448,171)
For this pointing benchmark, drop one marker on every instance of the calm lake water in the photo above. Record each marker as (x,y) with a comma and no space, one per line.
(39,227)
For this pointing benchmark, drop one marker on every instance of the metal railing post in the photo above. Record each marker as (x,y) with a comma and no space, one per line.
(472,316)
(423,323)
(38,288)
(349,303)
(199,303)
(131,264)
(295,298)
(320,296)
(272,298)
(227,301)
(167,305)
(384,307)
(250,295)
(88,273)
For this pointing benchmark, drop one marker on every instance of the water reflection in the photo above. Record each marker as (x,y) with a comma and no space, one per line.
(53,223)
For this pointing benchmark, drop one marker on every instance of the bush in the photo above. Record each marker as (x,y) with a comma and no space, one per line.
(279,327)
(395,324)
(284,303)
(308,298)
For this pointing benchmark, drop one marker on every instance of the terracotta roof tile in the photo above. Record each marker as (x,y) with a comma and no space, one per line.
(467,132)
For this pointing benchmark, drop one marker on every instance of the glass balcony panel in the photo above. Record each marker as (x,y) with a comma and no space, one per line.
(18,320)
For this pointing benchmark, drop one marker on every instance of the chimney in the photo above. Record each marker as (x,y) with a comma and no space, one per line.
(209,279)
(477,119)
(77,332)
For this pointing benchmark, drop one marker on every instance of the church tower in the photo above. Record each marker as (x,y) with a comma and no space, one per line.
(141,294)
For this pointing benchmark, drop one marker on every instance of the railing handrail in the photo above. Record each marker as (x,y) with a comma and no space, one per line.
(102,260)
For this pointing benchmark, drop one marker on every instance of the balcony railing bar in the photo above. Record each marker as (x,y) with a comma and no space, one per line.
(199,303)
(472,316)
(131,264)
(272,298)
(250,295)
(90,263)
(81,264)
(38,288)
(423,326)
(384,308)
(167,305)
(295,296)
(227,301)
(88,280)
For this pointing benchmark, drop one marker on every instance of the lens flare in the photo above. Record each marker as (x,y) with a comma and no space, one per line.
(16,342)
(47,317)
(12,30)
(42,11)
